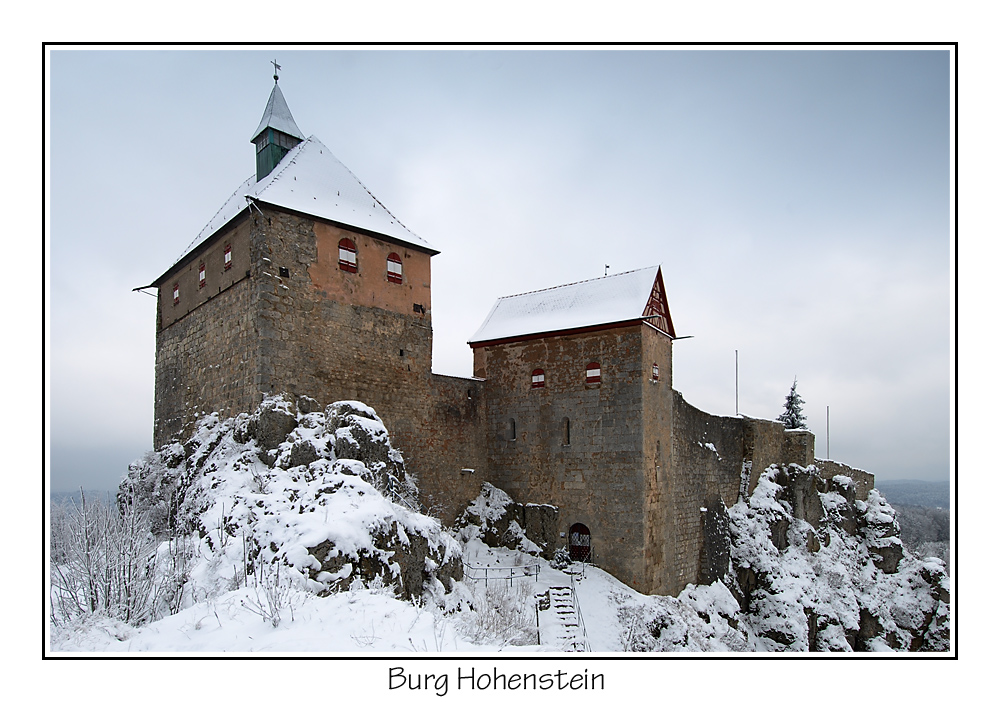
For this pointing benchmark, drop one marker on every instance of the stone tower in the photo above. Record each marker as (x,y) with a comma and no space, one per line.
(302,283)
(579,409)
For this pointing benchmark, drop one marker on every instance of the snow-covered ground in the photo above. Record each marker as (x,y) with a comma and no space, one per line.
(291,530)
(358,621)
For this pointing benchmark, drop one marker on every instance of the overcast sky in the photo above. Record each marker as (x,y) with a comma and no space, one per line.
(797,201)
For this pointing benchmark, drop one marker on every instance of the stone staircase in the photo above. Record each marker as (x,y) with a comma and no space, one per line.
(565,619)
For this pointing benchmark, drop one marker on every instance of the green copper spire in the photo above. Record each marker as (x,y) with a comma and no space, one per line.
(277,132)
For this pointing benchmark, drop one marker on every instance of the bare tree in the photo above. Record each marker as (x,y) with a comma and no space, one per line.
(101,560)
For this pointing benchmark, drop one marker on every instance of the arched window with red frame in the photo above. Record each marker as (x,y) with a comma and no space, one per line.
(348,256)
(394,268)
(538,378)
(593,372)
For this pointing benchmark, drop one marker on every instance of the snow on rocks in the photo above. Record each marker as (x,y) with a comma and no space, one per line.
(497,520)
(811,569)
(834,580)
(260,511)
(319,492)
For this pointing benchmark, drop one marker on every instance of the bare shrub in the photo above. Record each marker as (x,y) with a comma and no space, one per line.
(501,613)
(101,561)
(271,596)
(173,575)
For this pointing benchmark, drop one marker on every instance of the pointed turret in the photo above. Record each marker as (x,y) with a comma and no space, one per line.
(276,134)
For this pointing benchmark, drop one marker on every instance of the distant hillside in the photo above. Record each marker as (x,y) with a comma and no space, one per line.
(923,515)
(73,496)
(915,492)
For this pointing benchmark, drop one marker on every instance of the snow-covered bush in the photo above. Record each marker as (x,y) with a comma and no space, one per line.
(272,595)
(561,559)
(101,561)
(501,613)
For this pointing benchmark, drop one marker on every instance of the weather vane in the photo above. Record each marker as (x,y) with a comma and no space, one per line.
(276,69)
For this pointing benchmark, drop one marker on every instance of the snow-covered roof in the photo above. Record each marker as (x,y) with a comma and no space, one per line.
(278,116)
(311,180)
(614,298)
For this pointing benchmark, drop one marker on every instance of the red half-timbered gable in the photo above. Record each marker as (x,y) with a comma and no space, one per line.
(657,312)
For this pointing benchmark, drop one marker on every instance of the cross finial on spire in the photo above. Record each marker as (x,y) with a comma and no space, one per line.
(276,69)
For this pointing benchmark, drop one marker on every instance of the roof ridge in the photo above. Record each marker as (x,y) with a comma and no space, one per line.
(578,282)
(372,195)
(314,140)
(243,186)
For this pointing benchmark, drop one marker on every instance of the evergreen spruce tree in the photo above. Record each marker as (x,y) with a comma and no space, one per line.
(792,417)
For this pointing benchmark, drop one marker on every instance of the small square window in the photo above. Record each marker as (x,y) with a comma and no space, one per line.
(593,372)
(283,272)
(538,378)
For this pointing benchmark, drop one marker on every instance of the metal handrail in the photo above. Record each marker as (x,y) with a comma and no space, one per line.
(396,496)
(579,613)
(516,571)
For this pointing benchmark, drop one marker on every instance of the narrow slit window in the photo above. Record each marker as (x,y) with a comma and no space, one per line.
(538,378)
(565,431)
(511,430)
(348,256)
(593,372)
(394,268)
(177,293)
(201,275)
(227,257)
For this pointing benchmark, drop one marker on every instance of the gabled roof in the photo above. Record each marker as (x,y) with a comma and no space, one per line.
(312,181)
(278,116)
(591,303)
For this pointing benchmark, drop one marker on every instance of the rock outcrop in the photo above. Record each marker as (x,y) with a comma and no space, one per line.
(499,521)
(319,490)
(810,567)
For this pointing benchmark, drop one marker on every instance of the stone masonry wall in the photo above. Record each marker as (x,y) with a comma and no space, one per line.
(205,363)
(206,355)
(322,339)
(706,466)
(864,481)
(597,478)
(447,452)
(798,447)
(763,446)
(294,322)
(659,535)
(192,294)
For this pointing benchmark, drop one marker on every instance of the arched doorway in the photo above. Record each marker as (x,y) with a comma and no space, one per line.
(579,543)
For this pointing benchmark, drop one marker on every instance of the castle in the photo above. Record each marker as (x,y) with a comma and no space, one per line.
(304,283)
